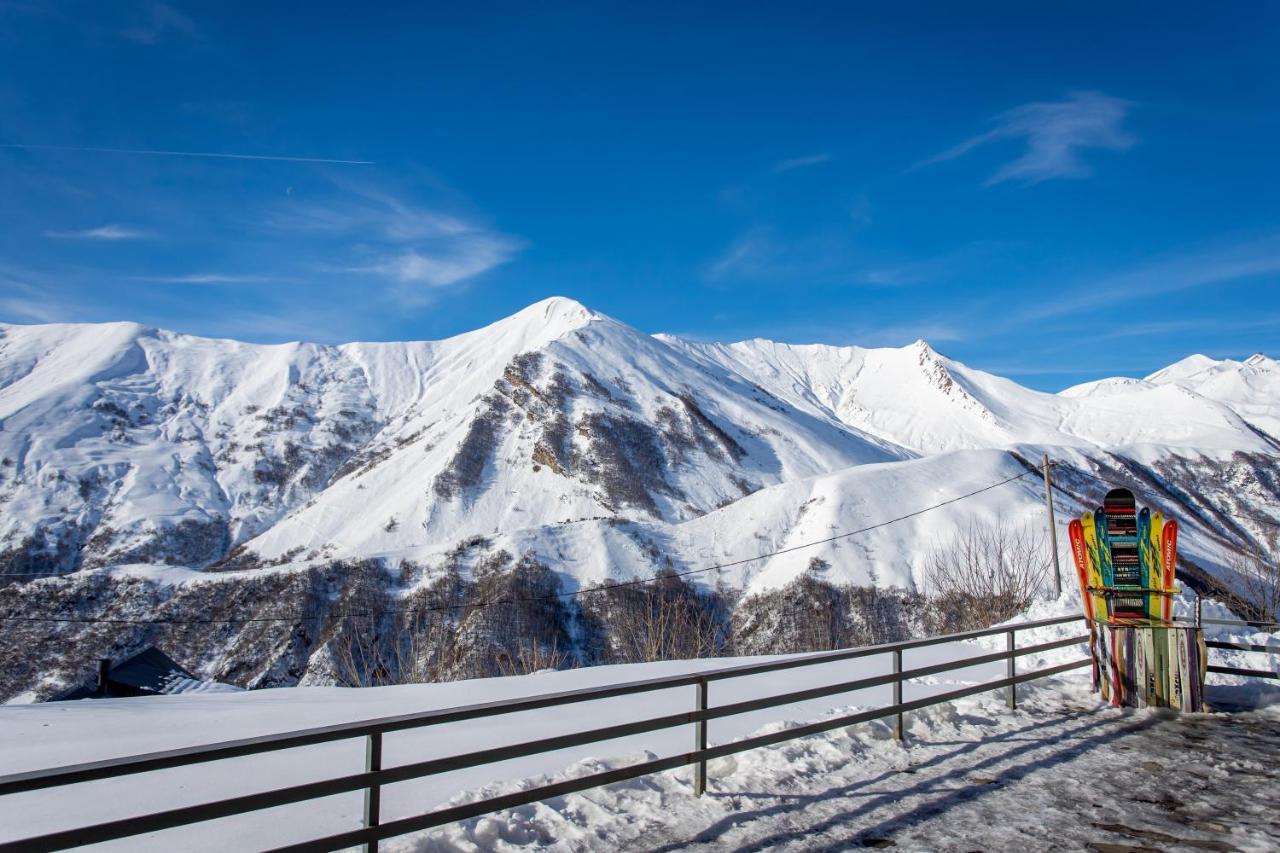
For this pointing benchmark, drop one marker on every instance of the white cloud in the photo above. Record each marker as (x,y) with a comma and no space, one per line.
(30,310)
(413,246)
(800,162)
(824,256)
(749,256)
(1055,134)
(25,297)
(103,232)
(464,257)
(154,21)
(1213,266)
(203,278)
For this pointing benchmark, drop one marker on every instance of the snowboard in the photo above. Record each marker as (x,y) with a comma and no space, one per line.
(1119,528)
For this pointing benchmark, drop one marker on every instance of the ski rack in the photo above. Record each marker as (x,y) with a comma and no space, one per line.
(1132,590)
(1142,622)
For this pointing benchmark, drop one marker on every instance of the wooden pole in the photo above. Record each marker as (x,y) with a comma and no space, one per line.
(104,674)
(1053,530)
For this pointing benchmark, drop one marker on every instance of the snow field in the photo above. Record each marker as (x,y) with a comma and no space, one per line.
(36,736)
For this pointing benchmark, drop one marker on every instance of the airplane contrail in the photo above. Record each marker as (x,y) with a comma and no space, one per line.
(186,154)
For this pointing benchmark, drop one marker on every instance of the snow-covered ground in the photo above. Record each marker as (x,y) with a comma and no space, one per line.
(962,761)
(1059,774)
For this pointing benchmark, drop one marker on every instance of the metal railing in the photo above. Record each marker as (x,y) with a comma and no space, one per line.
(1243,647)
(375,776)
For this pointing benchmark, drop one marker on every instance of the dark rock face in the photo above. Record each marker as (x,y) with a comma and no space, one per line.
(466,470)
(595,435)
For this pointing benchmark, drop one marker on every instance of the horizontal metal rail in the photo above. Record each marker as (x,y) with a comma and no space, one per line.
(1254,622)
(1243,647)
(569,786)
(371,780)
(1235,670)
(184,756)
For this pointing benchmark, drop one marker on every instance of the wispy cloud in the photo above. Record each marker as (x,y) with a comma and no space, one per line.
(749,256)
(415,247)
(29,310)
(102,232)
(158,153)
(1055,134)
(26,298)
(800,162)
(901,334)
(465,256)
(153,21)
(1192,324)
(1212,266)
(203,278)
(825,256)
(833,256)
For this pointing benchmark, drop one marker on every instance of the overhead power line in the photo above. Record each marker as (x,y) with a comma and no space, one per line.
(476,605)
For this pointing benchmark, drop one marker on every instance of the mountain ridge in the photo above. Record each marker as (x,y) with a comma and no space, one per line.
(143,469)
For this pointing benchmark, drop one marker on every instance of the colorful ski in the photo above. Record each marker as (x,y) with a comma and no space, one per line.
(1177,667)
(1095,531)
(1168,566)
(1093,551)
(1075,532)
(1149,558)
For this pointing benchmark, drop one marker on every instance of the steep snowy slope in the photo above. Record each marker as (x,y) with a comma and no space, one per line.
(186,476)
(125,444)
(926,402)
(120,443)
(1250,387)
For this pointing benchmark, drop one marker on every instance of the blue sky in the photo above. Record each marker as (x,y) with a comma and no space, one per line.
(1054,195)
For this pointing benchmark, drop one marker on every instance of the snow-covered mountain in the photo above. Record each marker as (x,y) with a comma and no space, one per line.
(564,434)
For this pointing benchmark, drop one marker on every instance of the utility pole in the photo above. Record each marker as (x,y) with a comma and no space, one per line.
(1053,531)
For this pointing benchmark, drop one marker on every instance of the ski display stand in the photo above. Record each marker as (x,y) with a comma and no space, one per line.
(1125,561)
(1149,666)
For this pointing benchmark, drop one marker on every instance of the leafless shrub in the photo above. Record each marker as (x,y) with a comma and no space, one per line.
(812,614)
(666,619)
(466,469)
(530,656)
(1258,569)
(623,457)
(986,573)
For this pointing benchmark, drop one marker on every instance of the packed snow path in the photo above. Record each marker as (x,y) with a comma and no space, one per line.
(1055,776)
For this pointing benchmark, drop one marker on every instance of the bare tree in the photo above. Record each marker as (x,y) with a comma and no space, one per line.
(987,573)
(667,619)
(1258,568)
(530,656)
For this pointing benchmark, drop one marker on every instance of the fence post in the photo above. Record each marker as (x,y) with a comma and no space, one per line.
(1012,668)
(373,793)
(897,693)
(700,741)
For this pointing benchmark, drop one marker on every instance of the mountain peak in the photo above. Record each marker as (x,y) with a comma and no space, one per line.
(542,322)
(559,312)
(1183,369)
